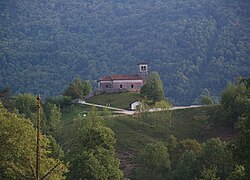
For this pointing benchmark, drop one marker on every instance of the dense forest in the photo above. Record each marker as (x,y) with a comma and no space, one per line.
(196,45)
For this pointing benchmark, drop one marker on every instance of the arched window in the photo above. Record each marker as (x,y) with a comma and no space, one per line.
(121,86)
(132,86)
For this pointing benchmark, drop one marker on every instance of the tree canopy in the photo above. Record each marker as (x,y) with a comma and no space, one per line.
(154,162)
(194,45)
(188,159)
(153,89)
(18,150)
(96,154)
(78,89)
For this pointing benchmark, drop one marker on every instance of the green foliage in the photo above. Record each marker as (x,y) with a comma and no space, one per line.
(235,100)
(5,95)
(238,173)
(245,82)
(162,105)
(190,160)
(131,139)
(206,100)
(18,150)
(189,145)
(106,114)
(97,137)
(154,162)
(188,166)
(236,104)
(172,143)
(187,123)
(94,165)
(26,105)
(242,144)
(87,166)
(236,107)
(209,173)
(78,89)
(155,156)
(61,101)
(198,45)
(54,122)
(55,118)
(54,149)
(69,137)
(93,118)
(96,159)
(216,154)
(153,89)
(142,107)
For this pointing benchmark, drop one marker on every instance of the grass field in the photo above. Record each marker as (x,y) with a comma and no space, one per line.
(119,100)
(133,134)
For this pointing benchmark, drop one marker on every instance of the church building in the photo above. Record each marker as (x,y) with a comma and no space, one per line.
(113,83)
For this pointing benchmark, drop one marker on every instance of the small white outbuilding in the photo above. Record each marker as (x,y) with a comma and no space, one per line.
(133,105)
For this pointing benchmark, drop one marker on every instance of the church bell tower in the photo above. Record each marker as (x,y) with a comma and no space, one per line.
(143,71)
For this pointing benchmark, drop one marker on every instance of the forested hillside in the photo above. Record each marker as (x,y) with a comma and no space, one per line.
(196,45)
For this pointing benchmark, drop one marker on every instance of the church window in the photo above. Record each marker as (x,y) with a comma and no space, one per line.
(121,86)
(143,68)
(132,86)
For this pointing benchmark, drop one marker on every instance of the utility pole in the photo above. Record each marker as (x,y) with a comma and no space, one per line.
(38,136)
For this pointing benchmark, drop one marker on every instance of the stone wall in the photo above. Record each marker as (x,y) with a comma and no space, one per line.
(130,85)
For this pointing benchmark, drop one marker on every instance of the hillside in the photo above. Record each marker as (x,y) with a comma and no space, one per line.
(133,133)
(196,46)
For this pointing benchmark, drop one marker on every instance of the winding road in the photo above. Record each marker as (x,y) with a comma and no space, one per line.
(128,112)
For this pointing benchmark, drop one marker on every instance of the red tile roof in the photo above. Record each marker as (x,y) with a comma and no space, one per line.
(121,77)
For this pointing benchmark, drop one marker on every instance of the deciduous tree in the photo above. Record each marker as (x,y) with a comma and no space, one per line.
(153,89)
(96,158)
(154,162)
(18,150)
(188,166)
(78,89)
(216,154)
(206,100)
(26,105)
(235,100)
